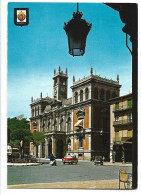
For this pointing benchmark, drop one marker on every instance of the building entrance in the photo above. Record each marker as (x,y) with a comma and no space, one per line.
(50,147)
(59,148)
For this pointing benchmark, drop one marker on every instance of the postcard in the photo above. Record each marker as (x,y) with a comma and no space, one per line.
(72,90)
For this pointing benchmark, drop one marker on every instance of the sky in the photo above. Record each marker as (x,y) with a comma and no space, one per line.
(35,50)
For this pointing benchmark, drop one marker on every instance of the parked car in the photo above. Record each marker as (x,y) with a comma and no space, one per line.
(70,159)
(98,160)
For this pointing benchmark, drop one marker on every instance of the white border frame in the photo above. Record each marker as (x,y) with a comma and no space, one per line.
(3,104)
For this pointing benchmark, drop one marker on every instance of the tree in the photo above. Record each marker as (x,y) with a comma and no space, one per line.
(19,132)
(38,138)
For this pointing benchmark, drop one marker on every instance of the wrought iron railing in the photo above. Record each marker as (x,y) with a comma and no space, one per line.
(123,107)
(122,122)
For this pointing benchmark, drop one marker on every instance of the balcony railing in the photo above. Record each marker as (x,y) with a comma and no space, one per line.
(122,122)
(123,107)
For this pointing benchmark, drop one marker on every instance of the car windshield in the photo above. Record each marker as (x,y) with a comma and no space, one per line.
(98,158)
(70,156)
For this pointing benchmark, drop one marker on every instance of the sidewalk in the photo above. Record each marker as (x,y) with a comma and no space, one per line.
(101,184)
(117,164)
(46,161)
(23,164)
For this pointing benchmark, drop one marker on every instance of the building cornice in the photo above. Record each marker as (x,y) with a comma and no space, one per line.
(95,78)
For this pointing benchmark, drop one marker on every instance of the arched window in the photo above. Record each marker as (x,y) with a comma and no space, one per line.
(108,95)
(35,111)
(61,125)
(81,95)
(49,126)
(55,125)
(76,97)
(114,94)
(38,110)
(32,112)
(69,124)
(86,93)
(80,142)
(95,93)
(102,94)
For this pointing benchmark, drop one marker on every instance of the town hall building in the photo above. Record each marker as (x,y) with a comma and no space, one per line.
(78,125)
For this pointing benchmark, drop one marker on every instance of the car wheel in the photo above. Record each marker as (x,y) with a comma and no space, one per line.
(63,162)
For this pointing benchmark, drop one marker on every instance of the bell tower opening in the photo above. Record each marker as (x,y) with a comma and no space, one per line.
(60,86)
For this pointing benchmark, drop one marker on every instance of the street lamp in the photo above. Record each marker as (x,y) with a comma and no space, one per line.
(77,30)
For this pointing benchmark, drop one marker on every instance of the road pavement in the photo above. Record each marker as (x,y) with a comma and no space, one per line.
(83,175)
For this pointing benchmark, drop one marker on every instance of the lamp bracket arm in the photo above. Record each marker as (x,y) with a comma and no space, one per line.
(127,44)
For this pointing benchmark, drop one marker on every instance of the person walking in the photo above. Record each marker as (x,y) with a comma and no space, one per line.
(52,160)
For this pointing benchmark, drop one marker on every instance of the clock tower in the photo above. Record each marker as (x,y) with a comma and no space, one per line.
(60,85)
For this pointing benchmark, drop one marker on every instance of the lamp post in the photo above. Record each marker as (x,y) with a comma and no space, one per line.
(77,30)
(21,144)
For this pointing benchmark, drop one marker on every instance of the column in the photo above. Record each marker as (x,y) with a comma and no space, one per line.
(71,120)
(78,96)
(54,146)
(72,143)
(90,143)
(46,148)
(90,92)
(40,150)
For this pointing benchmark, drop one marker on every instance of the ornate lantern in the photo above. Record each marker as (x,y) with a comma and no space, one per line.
(77,30)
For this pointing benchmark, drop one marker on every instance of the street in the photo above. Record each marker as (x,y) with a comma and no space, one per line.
(83,171)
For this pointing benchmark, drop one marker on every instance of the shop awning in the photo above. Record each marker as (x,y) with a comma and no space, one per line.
(79,123)
(126,139)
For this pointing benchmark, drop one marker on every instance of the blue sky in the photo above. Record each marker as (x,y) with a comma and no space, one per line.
(35,50)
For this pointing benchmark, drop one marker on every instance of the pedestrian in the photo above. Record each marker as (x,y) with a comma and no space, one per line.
(52,160)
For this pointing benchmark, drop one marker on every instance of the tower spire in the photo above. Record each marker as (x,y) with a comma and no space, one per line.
(118,78)
(73,78)
(66,71)
(59,69)
(41,95)
(91,72)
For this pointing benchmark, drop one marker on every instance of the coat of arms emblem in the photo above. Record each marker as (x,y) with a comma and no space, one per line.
(21,16)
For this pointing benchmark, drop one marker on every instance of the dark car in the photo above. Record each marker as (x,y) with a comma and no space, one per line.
(98,160)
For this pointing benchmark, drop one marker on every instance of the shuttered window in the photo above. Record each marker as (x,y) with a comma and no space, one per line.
(117,106)
(129,103)
(117,136)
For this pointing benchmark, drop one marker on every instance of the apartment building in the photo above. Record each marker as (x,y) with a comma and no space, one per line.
(121,129)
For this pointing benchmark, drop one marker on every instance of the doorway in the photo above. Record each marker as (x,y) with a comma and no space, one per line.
(59,148)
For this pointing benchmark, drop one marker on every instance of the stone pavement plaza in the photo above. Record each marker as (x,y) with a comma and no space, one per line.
(84,175)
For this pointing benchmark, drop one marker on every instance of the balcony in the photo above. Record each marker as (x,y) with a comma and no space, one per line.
(122,122)
(123,107)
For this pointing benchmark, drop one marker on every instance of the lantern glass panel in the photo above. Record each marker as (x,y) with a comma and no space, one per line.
(76,45)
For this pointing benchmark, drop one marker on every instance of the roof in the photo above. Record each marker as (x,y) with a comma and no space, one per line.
(121,97)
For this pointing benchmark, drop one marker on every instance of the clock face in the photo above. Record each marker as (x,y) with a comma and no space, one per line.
(62,89)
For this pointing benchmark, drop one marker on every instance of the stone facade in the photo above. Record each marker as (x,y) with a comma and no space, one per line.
(78,125)
(121,129)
